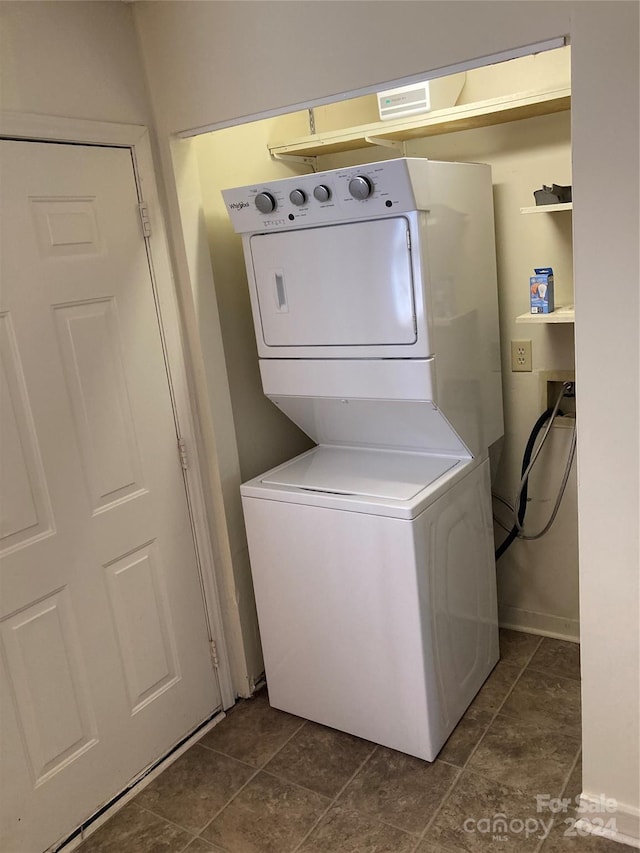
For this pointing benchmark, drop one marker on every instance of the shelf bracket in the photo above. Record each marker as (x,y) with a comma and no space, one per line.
(295,158)
(398,144)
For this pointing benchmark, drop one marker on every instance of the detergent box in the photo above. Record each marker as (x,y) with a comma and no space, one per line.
(541,291)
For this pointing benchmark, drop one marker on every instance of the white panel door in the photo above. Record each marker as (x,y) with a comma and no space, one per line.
(336,285)
(104,645)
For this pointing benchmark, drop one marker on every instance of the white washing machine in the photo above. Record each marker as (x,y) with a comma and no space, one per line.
(373,292)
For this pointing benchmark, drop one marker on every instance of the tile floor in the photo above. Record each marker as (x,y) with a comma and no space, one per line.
(266,782)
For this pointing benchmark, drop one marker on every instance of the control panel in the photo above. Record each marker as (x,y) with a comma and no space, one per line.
(361,192)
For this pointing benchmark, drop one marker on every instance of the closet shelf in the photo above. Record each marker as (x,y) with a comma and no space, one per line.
(547,208)
(562,314)
(464,117)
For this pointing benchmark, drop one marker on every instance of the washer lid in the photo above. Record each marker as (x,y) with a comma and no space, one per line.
(390,474)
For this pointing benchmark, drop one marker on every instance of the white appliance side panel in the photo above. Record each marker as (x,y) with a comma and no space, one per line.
(402,424)
(464,299)
(455,537)
(381,379)
(338,608)
(337,285)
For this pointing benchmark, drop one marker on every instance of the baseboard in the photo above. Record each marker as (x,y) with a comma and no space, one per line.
(618,821)
(543,624)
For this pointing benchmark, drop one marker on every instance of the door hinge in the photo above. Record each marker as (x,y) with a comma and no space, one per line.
(182,453)
(144,219)
(409,240)
(214,654)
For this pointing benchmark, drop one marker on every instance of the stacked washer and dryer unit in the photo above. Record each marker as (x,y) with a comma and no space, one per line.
(374,299)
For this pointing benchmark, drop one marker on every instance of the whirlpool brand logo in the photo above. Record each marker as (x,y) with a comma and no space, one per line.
(238,205)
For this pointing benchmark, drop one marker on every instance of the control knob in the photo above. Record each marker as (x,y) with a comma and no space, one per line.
(322,193)
(360,187)
(297,197)
(265,202)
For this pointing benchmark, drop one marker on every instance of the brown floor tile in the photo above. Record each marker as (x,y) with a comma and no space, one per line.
(253,732)
(194,787)
(268,816)
(320,758)
(565,837)
(548,700)
(557,657)
(495,689)
(525,755)
(464,738)
(470,819)
(344,831)
(516,647)
(398,789)
(199,845)
(430,847)
(573,788)
(133,830)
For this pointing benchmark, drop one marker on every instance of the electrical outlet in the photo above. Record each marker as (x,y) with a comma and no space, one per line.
(521,357)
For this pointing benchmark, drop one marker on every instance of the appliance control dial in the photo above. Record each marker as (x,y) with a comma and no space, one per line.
(297,197)
(360,187)
(265,202)
(322,193)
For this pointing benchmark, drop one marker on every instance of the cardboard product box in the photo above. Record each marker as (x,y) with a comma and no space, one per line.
(541,291)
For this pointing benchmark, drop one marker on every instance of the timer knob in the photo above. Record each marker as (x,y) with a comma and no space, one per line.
(322,193)
(360,187)
(265,202)
(297,197)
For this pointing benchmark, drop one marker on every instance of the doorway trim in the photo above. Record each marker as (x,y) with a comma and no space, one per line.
(44,128)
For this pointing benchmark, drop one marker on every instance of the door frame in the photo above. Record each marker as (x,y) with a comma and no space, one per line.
(44,128)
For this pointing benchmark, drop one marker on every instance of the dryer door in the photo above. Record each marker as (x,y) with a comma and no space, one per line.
(338,285)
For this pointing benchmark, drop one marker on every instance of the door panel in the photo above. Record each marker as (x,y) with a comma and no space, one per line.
(57,720)
(142,620)
(88,335)
(103,635)
(338,285)
(27,516)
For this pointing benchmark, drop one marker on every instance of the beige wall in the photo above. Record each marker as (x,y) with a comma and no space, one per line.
(216,62)
(228,158)
(605,61)
(220,61)
(548,70)
(79,60)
